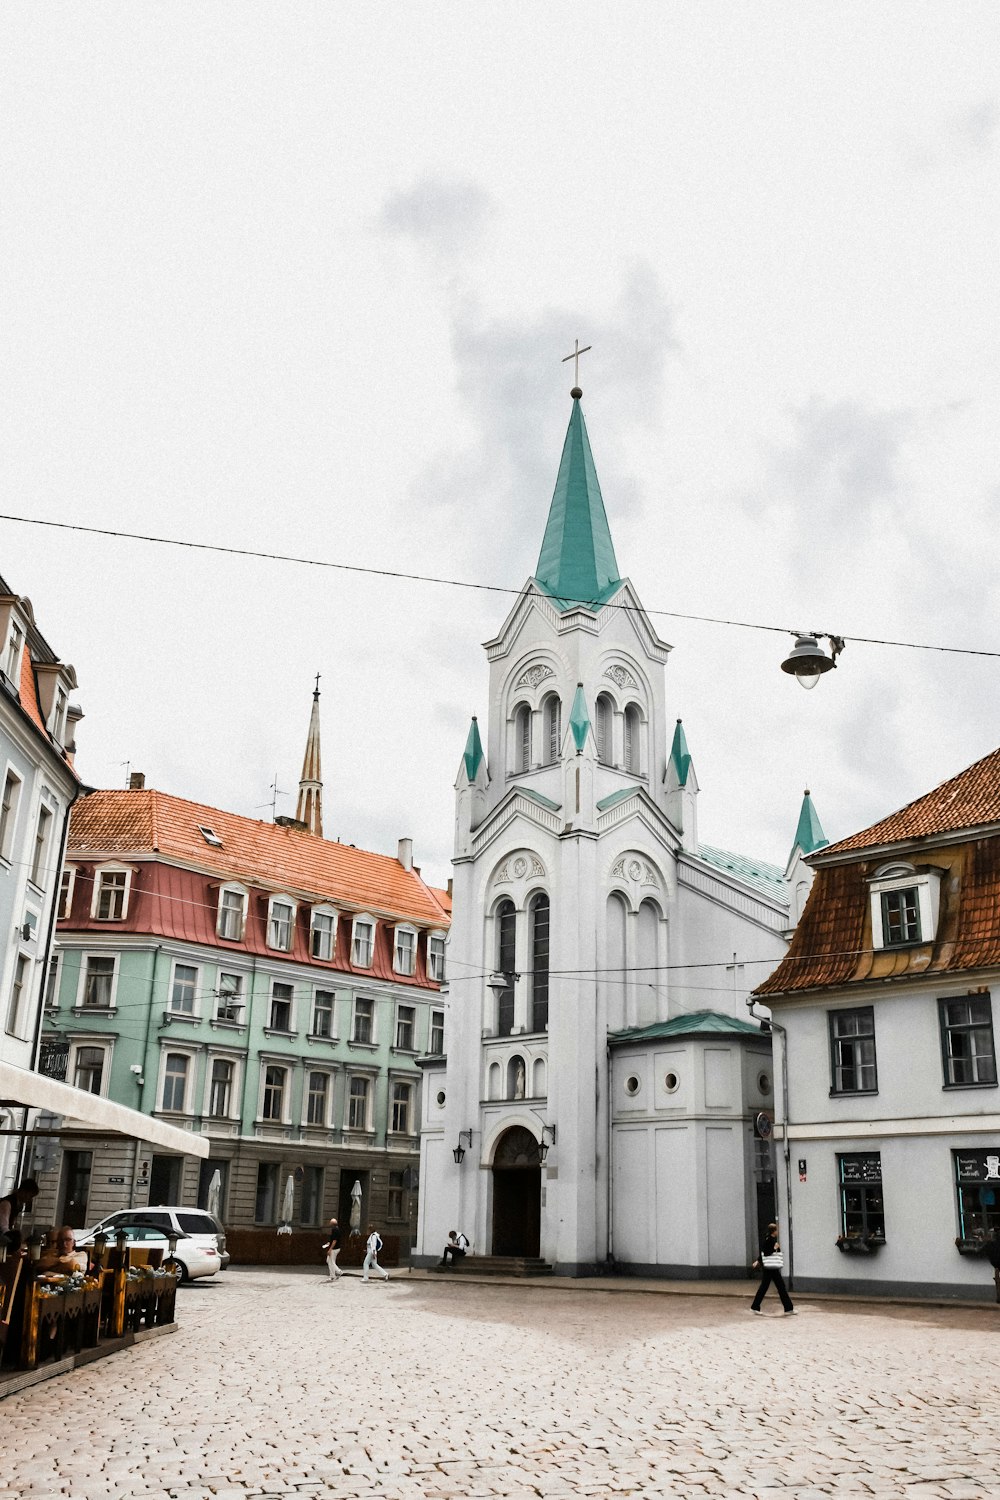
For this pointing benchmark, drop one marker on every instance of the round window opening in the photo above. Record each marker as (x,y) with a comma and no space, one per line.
(440,1097)
(631,1084)
(671,1083)
(764,1082)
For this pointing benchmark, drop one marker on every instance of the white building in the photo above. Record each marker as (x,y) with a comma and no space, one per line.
(601,1080)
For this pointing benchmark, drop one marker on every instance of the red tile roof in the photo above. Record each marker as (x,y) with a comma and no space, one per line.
(149,821)
(968,800)
(29,693)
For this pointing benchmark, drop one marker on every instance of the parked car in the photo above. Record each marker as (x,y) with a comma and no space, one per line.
(201,1240)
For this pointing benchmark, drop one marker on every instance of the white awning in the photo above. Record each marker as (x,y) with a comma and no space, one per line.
(20,1086)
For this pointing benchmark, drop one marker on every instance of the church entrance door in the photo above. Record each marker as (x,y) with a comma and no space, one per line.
(517,1194)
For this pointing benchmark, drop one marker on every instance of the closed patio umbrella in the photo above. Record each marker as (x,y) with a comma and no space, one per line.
(356,1207)
(215,1194)
(287,1203)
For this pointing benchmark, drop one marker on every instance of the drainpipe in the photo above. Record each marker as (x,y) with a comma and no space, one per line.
(773,1025)
(145,1062)
(609,1169)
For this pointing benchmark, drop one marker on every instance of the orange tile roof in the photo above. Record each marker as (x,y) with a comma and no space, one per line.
(146,820)
(968,800)
(29,692)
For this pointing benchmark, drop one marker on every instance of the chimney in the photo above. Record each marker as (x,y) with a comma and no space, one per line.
(137,781)
(405,854)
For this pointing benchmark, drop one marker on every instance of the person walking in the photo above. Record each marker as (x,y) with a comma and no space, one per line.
(332,1250)
(772,1264)
(372,1249)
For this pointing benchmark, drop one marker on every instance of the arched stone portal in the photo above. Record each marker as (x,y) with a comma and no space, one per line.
(517,1193)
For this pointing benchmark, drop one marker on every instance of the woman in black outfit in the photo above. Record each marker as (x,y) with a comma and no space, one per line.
(771,1263)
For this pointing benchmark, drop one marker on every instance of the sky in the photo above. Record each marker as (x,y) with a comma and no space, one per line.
(298,278)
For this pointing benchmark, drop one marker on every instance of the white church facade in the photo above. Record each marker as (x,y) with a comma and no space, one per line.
(602,1099)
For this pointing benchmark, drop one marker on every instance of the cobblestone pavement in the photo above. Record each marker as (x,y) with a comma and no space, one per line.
(279,1384)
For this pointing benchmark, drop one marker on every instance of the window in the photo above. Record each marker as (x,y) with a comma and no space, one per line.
(406,1017)
(14,652)
(437,1033)
(402,1108)
(317,1099)
(322,1016)
(230,996)
(435,957)
(522,738)
(274,1093)
(184,989)
(506,933)
(852,1048)
(59,716)
(363,1029)
(42,831)
(8,813)
(65,893)
(605,720)
(967,1041)
(323,934)
(266,1205)
(395,1206)
(221,1091)
(905,903)
(232,913)
(406,950)
(539,963)
(18,995)
(862,1215)
(111,895)
(210,836)
(357,1103)
(98,982)
(977,1182)
(175,1073)
(900,917)
(280,1016)
(362,943)
(88,1069)
(552,714)
(280,923)
(52,984)
(311,1209)
(633,761)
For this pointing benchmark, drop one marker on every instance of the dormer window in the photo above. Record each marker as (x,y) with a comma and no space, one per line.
(904,905)
(435,957)
(362,942)
(58,725)
(232,913)
(111,893)
(12,665)
(280,923)
(322,932)
(406,950)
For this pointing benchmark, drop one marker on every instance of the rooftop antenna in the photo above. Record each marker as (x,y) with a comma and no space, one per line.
(128,769)
(276,792)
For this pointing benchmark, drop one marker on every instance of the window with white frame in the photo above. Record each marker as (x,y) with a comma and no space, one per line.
(358,1102)
(604,728)
(230,998)
(522,738)
(362,942)
(52,983)
(318,1098)
(58,721)
(552,716)
(363,1023)
(17,1005)
(175,1081)
(8,812)
(111,887)
(322,932)
(435,957)
(852,1051)
(220,1093)
(406,1023)
(436,1047)
(633,740)
(12,666)
(65,893)
(232,913)
(967,1042)
(275,1089)
(280,1013)
(97,982)
(905,903)
(40,853)
(280,923)
(406,950)
(184,989)
(322,1016)
(402,1108)
(88,1069)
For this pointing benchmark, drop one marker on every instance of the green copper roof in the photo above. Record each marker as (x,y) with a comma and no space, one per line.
(699,1022)
(579,720)
(809,835)
(577,561)
(768,879)
(473,750)
(680,756)
(526,791)
(615,797)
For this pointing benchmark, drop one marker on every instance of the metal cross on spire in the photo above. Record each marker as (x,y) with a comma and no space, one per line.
(316,689)
(575,357)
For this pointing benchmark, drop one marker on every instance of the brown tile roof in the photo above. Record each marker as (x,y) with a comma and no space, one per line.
(968,800)
(149,821)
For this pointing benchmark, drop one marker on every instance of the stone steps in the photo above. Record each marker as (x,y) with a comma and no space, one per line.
(501,1265)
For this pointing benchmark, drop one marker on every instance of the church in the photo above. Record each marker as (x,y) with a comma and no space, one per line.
(603,1101)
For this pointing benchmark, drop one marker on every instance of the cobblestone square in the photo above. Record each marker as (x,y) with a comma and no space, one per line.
(278,1384)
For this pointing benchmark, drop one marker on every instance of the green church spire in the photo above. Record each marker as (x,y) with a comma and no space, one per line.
(680,757)
(579,719)
(577,561)
(809,835)
(473,750)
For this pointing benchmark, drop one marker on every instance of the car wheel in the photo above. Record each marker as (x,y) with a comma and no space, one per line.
(182,1268)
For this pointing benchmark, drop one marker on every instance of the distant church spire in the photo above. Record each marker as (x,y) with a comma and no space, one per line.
(310,806)
(577,562)
(809,835)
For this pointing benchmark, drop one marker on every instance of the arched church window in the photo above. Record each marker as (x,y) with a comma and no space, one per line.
(538,1078)
(493,1088)
(633,759)
(506,937)
(539,1020)
(605,719)
(553,728)
(522,738)
(516,1083)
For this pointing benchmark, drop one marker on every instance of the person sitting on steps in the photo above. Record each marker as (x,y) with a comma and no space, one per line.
(457,1248)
